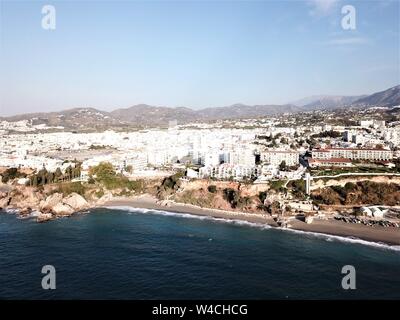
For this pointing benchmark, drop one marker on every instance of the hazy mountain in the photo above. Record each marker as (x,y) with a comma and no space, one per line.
(239,110)
(146,115)
(76,118)
(386,98)
(325,101)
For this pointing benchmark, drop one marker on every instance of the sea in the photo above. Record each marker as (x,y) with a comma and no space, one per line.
(127,253)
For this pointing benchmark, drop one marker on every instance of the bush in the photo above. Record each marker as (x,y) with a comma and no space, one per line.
(276,185)
(262,196)
(103,171)
(11,174)
(231,196)
(70,187)
(298,188)
(212,189)
(99,193)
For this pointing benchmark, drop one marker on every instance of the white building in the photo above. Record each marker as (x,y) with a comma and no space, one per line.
(275,157)
(353,153)
(227,171)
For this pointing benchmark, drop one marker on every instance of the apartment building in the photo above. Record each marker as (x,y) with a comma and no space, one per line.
(227,171)
(275,157)
(353,153)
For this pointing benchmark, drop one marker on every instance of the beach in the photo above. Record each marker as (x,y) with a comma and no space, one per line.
(149,202)
(389,235)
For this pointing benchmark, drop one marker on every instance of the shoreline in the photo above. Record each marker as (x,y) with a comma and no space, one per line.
(376,234)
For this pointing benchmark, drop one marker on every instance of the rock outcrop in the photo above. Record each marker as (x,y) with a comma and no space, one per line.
(76,202)
(61,206)
(61,209)
(27,200)
(51,201)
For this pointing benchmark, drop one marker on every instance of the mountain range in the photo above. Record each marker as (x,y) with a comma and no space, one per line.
(143,115)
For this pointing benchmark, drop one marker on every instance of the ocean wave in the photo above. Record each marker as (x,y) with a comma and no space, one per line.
(11,211)
(189,215)
(350,239)
(325,236)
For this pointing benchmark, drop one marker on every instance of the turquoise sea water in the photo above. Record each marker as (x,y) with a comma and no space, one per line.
(132,254)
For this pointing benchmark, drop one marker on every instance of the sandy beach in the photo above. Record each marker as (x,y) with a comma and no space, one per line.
(389,235)
(149,202)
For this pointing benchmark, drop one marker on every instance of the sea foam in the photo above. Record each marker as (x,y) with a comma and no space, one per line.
(326,237)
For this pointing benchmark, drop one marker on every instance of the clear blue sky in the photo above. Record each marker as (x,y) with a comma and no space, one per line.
(109,54)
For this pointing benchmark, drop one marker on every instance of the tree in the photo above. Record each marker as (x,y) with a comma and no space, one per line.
(231,196)
(68,172)
(103,171)
(42,176)
(129,168)
(50,177)
(35,181)
(10,174)
(262,195)
(57,174)
(282,166)
(274,208)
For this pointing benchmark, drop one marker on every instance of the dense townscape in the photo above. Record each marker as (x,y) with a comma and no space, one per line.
(305,165)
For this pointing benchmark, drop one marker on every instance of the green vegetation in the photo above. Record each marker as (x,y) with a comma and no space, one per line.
(99,193)
(274,208)
(11,174)
(46,177)
(105,174)
(212,189)
(262,195)
(172,182)
(298,188)
(362,192)
(97,147)
(70,187)
(327,134)
(235,200)
(190,197)
(231,196)
(169,185)
(283,166)
(359,169)
(277,185)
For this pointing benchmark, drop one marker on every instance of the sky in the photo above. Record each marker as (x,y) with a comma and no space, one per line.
(197,54)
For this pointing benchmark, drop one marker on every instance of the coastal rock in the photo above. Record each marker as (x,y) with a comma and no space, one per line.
(108,196)
(25,211)
(51,201)
(309,219)
(4,202)
(44,217)
(76,202)
(61,209)
(26,197)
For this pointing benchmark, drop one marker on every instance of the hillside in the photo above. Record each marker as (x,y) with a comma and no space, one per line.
(143,115)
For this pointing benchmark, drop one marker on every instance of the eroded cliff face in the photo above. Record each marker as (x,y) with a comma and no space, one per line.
(320,183)
(28,199)
(224,195)
(364,192)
